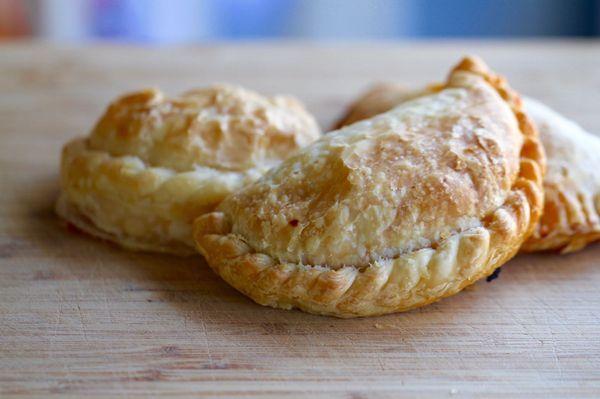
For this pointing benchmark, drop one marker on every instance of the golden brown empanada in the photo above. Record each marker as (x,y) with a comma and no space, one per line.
(390,213)
(572,183)
(151,165)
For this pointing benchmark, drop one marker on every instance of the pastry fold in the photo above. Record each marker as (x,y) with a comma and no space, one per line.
(152,164)
(571,216)
(390,213)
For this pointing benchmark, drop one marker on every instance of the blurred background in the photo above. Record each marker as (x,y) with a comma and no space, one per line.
(187,21)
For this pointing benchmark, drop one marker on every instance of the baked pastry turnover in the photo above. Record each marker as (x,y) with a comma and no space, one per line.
(152,164)
(390,213)
(571,216)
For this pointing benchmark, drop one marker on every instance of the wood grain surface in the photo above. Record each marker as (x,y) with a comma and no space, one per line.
(82,317)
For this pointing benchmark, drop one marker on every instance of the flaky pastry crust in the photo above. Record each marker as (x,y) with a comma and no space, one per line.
(152,164)
(570,219)
(381,98)
(390,213)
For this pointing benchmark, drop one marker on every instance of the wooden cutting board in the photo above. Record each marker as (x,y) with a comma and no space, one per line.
(83,317)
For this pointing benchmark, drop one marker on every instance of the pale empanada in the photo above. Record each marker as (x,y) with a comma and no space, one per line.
(571,217)
(572,183)
(390,213)
(151,165)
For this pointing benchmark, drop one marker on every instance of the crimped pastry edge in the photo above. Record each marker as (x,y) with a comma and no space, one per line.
(571,216)
(565,203)
(389,285)
(565,236)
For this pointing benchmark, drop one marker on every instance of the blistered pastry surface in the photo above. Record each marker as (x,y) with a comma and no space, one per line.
(403,279)
(572,184)
(152,164)
(389,185)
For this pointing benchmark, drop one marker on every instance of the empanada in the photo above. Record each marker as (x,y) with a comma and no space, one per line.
(151,165)
(571,217)
(572,183)
(390,213)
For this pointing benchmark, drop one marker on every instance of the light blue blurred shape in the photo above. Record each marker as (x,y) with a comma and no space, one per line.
(235,19)
(152,20)
(353,19)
